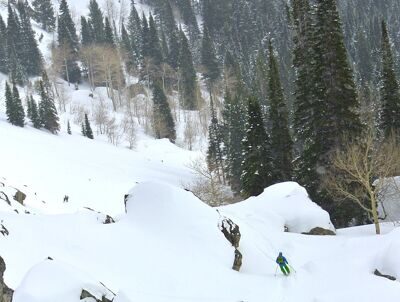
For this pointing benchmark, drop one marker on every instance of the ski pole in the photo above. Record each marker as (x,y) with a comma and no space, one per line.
(276,270)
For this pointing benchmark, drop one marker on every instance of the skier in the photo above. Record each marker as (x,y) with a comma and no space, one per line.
(283,264)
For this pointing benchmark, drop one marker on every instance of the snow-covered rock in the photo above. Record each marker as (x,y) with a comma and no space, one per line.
(52,280)
(283,205)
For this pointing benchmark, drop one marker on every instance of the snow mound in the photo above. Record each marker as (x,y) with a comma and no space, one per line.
(155,204)
(51,281)
(284,205)
(388,262)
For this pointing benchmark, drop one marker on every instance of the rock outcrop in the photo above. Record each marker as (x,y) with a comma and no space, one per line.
(5,292)
(231,232)
(320,231)
(86,294)
(379,274)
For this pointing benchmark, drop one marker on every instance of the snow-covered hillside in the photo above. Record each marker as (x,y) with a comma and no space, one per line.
(168,247)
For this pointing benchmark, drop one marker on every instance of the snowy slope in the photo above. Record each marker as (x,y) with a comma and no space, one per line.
(168,248)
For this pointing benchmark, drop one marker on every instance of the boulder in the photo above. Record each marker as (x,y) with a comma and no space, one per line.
(19,196)
(237,263)
(379,274)
(6,293)
(86,294)
(320,231)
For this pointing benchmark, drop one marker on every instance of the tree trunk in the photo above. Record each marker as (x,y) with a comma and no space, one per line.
(375,216)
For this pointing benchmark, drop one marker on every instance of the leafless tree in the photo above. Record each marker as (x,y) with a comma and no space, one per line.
(360,171)
(206,185)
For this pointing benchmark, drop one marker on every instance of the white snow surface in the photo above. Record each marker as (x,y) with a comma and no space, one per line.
(168,247)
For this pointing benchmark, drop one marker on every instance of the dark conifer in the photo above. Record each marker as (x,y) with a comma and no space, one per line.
(390,95)
(68,43)
(208,59)
(88,129)
(35,117)
(154,47)
(96,22)
(281,141)
(86,32)
(163,123)
(257,162)
(127,51)
(188,75)
(108,34)
(69,128)
(47,110)
(135,30)
(44,14)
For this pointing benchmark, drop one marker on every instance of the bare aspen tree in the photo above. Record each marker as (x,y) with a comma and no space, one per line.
(206,185)
(190,131)
(361,171)
(100,114)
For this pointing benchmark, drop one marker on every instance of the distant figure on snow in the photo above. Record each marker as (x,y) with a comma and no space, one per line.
(66,198)
(283,264)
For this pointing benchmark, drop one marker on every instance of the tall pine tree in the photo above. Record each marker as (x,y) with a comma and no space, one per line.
(68,44)
(96,22)
(88,128)
(31,57)
(188,87)
(281,141)
(47,110)
(44,14)
(390,95)
(163,123)
(257,162)
(208,59)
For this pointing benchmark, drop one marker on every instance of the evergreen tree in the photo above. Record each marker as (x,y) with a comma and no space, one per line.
(3,47)
(69,128)
(281,141)
(261,80)
(86,32)
(135,30)
(9,103)
(29,109)
(257,162)
(234,120)
(154,47)
(47,110)
(304,121)
(108,34)
(389,90)
(173,51)
(31,58)
(96,22)
(15,111)
(88,129)
(145,38)
(68,43)
(35,117)
(127,51)
(163,123)
(332,111)
(15,66)
(215,154)
(44,14)
(83,130)
(190,20)
(208,59)
(187,75)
